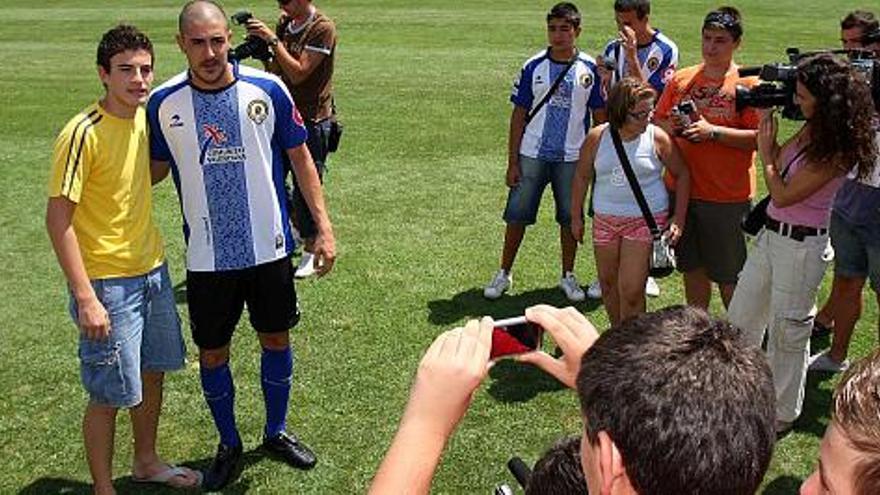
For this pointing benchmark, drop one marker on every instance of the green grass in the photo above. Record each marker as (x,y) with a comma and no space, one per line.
(415,194)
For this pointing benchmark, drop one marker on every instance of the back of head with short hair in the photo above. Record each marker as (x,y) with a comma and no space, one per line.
(558,471)
(688,403)
(857,414)
(640,7)
(860,19)
(566,11)
(119,39)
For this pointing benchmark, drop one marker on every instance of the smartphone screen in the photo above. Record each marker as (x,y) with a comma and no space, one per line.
(514,336)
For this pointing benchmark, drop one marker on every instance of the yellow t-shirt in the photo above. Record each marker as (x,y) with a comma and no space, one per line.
(102,163)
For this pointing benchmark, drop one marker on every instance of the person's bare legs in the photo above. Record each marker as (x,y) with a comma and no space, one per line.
(632,275)
(607,267)
(847,310)
(826,316)
(568,245)
(513,236)
(698,288)
(99,430)
(144,428)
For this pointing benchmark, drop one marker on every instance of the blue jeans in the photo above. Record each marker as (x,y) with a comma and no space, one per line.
(524,198)
(144,335)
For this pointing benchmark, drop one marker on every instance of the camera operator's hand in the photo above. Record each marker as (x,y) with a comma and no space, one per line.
(513,171)
(258,28)
(448,375)
(450,372)
(571,331)
(699,131)
(767,130)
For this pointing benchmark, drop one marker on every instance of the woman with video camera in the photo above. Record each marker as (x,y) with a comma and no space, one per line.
(622,239)
(777,287)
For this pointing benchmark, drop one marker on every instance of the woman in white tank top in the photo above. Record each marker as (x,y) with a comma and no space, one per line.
(621,237)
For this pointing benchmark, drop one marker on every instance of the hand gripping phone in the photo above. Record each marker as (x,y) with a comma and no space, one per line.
(515,336)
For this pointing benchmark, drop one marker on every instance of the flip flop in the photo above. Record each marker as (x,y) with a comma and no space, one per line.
(164,477)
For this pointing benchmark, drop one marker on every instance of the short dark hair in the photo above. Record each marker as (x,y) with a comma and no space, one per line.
(119,39)
(558,471)
(566,11)
(726,18)
(186,12)
(856,409)
(641,7)
(687,401)
(863,19)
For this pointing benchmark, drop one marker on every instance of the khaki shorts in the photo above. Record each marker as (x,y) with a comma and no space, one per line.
(713,240)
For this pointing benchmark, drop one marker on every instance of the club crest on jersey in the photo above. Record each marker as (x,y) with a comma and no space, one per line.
(257,111)
(652,63)
(586,80)
(176,121)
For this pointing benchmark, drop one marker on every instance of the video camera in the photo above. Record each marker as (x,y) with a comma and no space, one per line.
(778,81)
(253,46)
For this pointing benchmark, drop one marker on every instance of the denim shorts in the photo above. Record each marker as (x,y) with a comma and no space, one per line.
(856,250)
(144,335)
(524,198)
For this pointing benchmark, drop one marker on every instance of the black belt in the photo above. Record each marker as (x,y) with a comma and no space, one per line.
(796,232)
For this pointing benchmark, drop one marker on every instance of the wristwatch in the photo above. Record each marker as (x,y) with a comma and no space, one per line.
(714,134)
(273,41)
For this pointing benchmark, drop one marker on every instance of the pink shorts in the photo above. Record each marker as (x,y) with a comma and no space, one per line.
(610,229)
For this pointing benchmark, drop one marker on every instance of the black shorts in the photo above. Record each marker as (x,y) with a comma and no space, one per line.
(216,300)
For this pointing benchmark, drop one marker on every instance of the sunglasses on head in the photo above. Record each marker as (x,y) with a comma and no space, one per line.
(722,19)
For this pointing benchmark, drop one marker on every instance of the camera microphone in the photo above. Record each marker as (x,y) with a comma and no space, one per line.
(520,471)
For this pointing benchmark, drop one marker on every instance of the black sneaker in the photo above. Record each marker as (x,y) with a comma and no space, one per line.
(225,468)
(289,449)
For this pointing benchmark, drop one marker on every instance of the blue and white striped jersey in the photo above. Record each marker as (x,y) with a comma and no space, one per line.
(557,131)
(659,59)
(225,150)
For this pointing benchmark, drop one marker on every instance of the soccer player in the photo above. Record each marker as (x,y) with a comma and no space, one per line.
(546,132)
(222,128)
(121,298)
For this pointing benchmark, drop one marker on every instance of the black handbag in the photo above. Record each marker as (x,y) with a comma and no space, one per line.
(756,218)
(662,261)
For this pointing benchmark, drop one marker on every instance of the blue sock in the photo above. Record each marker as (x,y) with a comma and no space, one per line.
(220,395)
(276,373)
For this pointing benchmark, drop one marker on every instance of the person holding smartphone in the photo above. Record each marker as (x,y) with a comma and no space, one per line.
(622,240)
(717,142)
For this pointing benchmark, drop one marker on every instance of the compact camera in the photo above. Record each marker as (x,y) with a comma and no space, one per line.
(515,336)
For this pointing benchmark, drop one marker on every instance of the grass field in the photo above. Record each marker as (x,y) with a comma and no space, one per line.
(415,195)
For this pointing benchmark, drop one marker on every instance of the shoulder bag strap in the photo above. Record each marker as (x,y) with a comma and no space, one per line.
(633,182)
(550,91)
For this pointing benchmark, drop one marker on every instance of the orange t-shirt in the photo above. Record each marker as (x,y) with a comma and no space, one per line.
(719,173)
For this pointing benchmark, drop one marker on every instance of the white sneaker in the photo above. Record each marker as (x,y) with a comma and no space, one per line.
(824,362)
(651,287)
(594,290)
(499,285)
(572,289)
(306,266)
